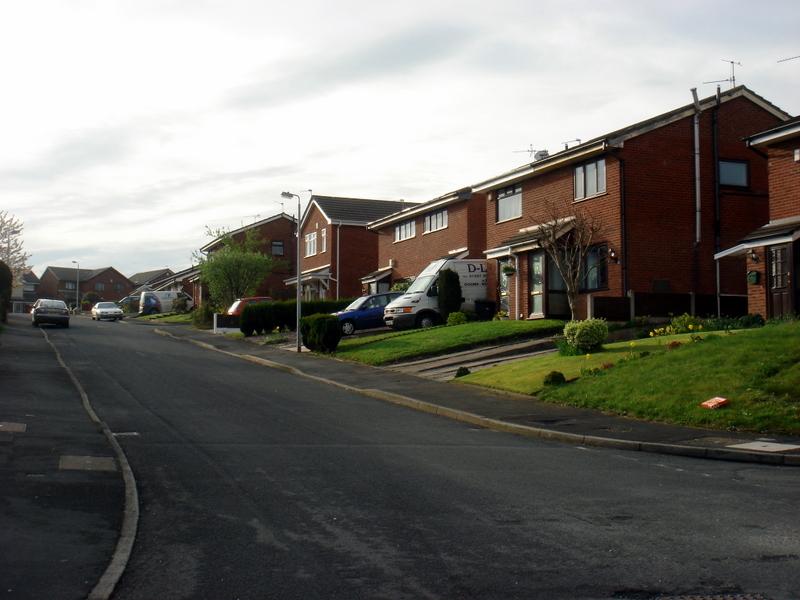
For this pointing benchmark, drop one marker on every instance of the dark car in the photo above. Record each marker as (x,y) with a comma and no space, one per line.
(238,305)
(365,312)
(54,312)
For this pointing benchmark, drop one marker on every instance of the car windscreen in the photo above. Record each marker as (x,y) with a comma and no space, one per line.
(356,304)
(420,284)
(53,304)
(106,305)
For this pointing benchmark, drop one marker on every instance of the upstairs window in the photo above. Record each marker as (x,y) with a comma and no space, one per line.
(277,248)
(311,244)
(99,286)
(405,230)
(436,221)
(324,240)
(733,172)
(509,203)
(70,285)
(590,179)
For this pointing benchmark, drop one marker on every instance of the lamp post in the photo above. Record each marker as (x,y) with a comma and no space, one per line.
(289,196)
(77,286)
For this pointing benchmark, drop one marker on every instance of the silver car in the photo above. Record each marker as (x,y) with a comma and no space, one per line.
(106,310)
(54,312)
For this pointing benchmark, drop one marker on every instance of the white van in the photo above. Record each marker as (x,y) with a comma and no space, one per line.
(419,306)
(161,302)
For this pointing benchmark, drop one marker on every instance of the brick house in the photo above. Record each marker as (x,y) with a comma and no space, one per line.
(277,241)
(145,280)
(337,248)
(24,294)
(61,282)
(453,225)
(670,192)
(772,251)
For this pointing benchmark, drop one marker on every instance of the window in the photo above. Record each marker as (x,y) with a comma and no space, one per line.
(590,179)
(436,221)
(311,244)
(595,269)
(324,241)
(277,248)
(99,286)
(733,173)
(405,230)
(509,203)
(70,285)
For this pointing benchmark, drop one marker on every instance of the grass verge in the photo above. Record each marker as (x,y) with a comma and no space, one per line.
(757,370)
(420,343)
(168,318)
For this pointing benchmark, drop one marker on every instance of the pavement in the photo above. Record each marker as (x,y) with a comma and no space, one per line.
(508,412)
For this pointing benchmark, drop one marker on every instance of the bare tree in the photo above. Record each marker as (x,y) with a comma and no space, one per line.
(12,251)
(567,238)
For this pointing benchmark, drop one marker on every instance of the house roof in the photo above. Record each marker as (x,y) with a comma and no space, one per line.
(528,238)
(780,231)
(616,138)
(354,211)
(69,273)
(413,210)
(30,278)
(788,130)
(216,242)
(149,276)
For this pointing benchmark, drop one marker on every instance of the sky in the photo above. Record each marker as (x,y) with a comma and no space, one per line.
(127,128)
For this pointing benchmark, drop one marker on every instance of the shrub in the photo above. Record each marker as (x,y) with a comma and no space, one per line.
(554,378)
(266,316)
(462,371)
(6,279)
(456,318)
(449,287)
(500,315)
(586,335)
(181,305)
(686,323)
(673,345)
(400,286)
(321,332)
(564,348)
(203,316)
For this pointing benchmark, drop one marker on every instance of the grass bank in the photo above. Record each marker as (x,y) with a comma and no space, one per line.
(757,370)
(168,318)
(420,343)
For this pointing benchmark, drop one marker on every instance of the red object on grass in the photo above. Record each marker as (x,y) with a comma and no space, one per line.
(713,403)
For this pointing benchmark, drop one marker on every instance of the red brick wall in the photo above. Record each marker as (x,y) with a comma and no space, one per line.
(359,257)
(466,228)
(757,293)
(784,180)
(52,287)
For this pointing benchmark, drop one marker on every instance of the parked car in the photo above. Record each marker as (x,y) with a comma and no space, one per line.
(238,305)
(129,304)
(106,310)
(50,311)
(365,312)
(151,303)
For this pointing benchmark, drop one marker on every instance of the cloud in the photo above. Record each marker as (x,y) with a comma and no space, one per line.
(400,53)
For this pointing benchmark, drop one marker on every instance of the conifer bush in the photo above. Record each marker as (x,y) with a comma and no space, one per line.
(321,332)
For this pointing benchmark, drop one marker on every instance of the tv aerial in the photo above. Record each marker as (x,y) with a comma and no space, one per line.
(790,58)
(732,78)
(530,151)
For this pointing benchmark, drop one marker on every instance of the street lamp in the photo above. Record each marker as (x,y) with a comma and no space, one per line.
(289,196)
(77,285)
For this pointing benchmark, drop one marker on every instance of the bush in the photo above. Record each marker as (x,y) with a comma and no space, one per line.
(321,332)
(462,371)
(686,323)
(6,283)
(564,349)
(449,287)
(181,305)
(400,285)
(203,316)
(586,335)
(266,316)
(554,378)
(456,318)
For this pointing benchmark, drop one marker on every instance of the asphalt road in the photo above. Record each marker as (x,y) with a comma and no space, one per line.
(257,484)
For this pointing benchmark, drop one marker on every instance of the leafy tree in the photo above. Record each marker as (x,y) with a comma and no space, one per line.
(5,289)
(11,247)
(236,269)
(449,298)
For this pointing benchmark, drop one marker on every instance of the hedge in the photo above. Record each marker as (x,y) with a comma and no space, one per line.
(265,316)
(321,332)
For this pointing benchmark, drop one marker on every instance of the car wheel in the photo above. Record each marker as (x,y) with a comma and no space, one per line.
(426,321)
(348,328)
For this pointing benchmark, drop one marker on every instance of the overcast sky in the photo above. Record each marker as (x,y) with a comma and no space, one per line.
(128,127)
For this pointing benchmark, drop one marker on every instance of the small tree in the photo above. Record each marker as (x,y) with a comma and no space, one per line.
(449,297)
(11,250)
(567,238)
(5,289)
(235,270)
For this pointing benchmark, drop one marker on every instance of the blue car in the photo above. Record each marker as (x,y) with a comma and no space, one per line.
(365,312)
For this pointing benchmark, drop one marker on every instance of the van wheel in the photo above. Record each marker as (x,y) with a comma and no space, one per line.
(348,328)
(426,321)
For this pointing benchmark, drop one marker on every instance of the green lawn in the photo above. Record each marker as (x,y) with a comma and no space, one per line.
(168,318)
(406,345)
(757,370)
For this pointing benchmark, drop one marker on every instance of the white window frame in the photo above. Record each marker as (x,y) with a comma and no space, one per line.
(590,179)
(311,244)
(405,230)
(435,221)
(323,234)
(510,196)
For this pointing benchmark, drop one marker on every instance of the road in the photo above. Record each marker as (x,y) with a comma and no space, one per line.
(255,483)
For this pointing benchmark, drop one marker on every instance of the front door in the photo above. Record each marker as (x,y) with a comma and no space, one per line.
(536,283)
(781,301)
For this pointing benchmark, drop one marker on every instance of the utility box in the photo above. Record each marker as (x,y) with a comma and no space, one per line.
(753,277)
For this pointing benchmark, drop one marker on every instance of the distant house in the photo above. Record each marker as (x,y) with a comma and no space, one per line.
(68,284)
(277,241)
(773,250)
(186,280)
(25,294)
(670,191)
(336,246)
(144,281)
(452,226)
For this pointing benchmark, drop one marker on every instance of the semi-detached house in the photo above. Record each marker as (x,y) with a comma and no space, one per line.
(670,192)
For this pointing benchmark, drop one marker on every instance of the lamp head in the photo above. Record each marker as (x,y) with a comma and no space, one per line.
(288,195)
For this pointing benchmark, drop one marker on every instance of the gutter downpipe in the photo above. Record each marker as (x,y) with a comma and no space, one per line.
(338,275)
(717,207)
(697,200)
